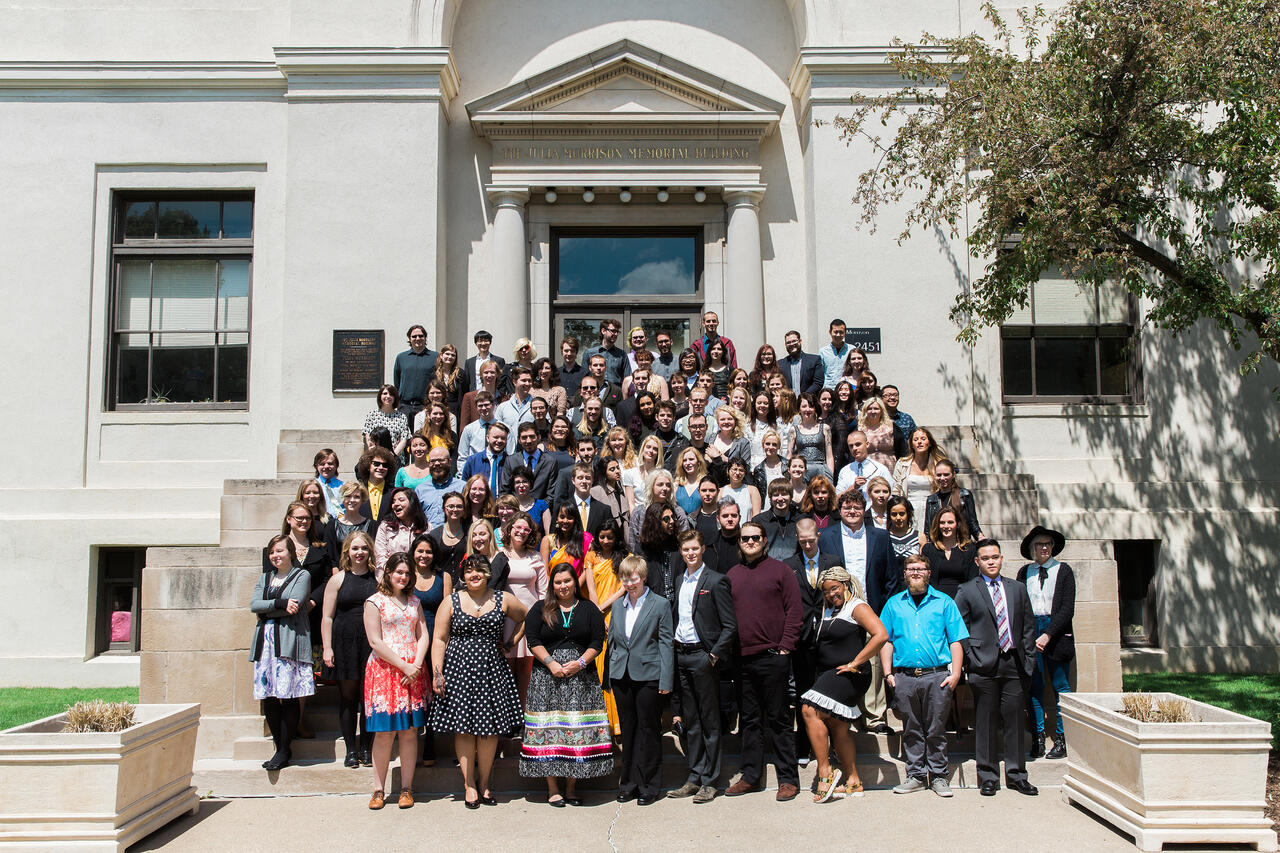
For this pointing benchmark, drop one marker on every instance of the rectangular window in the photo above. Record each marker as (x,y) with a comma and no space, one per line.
(1072,344)
(181,271)
(117,626)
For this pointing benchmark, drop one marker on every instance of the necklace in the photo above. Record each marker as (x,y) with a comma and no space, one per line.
(566,618)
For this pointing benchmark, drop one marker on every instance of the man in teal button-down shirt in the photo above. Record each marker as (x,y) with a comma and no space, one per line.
(922,660)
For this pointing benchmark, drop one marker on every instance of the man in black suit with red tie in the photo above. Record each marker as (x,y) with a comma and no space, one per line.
(1000,656)
(706,629)
(808,564)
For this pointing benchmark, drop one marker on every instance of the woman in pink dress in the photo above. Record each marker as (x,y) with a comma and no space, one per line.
(526,580)
(394,678)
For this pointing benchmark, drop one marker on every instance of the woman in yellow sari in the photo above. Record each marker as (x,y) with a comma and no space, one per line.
(606,551)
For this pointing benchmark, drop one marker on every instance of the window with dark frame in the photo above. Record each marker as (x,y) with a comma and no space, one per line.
(1072,343)
(117,623)
(181,271)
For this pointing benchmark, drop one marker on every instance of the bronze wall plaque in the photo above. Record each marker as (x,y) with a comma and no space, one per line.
(359,359)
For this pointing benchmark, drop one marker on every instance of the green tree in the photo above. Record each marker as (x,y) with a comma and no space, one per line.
(1136,141)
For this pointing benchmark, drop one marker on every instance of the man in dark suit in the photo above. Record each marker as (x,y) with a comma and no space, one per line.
(586,455)
(864,551)
(808,564)
(543,464)
(1000,656)
(593,513)
(705,631)
(802,371)
(1052,587)
(489,462)
(483,340)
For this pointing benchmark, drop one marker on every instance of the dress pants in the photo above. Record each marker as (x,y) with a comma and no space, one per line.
(875,702)
(765,713)
(640,718)
(698,684)
(804,671)
(923,703)
(998,701)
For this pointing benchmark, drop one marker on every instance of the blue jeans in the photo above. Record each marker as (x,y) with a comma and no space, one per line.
(1059,672)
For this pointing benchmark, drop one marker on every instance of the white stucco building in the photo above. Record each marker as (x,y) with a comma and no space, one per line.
(198,195)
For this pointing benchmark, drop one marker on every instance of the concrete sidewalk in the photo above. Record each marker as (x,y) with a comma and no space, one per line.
(880,821)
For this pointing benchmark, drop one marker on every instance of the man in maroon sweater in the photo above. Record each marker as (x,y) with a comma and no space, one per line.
(766,598)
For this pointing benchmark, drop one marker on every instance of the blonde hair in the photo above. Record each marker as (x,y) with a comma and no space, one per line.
(739,420)
(788,405)
(633,565)
(628,459)
(488,529)
(681,478)
(344,561)
(524,342)
(867,404)
(640,451)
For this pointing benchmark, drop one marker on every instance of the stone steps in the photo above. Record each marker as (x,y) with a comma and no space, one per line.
(298,447)
(879,765)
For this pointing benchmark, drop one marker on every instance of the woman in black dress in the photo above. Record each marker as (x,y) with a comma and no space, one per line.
(566,727)
(849,637)
(432,587)
(475,689)
(950,553)
(346,647)
(450,538)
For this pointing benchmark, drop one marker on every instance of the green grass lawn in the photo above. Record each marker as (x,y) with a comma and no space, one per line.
(20,705)
(1256,696)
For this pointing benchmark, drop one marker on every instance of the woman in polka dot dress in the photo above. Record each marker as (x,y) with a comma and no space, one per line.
(476,694)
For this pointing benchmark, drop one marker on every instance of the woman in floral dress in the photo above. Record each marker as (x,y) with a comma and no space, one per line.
(394,679)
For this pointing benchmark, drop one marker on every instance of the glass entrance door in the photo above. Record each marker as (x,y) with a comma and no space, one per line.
(647,277)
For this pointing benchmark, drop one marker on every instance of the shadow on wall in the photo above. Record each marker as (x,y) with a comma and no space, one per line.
(1198,473)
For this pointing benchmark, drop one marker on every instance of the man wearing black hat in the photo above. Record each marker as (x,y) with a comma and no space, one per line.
(1052,587)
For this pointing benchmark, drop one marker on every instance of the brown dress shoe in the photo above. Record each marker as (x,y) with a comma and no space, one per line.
(406,798)
(787,791)
(377,801)
(742,786)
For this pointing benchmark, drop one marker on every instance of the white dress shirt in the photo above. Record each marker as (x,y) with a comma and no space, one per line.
(855,553)
(868,468)
(685,631)
(1042,593)
(472,440)
(632,610)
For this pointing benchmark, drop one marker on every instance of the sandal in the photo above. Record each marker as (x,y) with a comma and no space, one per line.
(827,786)
(852,789)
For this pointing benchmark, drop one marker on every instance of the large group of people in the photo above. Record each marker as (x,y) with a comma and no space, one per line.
(543,556)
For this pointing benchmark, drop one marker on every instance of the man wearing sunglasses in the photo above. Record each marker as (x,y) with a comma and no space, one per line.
(766,599)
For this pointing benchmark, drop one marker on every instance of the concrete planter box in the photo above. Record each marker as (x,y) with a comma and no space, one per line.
(1162,783)
(96,791)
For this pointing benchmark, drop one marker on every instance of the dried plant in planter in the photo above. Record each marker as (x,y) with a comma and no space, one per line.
(99,716)
(1143,708)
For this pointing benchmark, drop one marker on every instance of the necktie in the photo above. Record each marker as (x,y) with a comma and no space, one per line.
(1044,576)
(531,459)
(812,570)
(494,463)
(582,511)
(1002,616)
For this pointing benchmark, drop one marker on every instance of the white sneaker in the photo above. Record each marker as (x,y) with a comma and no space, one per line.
(910,786)
(940,787)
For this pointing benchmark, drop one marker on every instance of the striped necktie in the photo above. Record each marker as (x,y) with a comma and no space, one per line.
(1002,616)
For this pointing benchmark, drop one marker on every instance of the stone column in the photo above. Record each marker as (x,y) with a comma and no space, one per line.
(743,318)
(507,312)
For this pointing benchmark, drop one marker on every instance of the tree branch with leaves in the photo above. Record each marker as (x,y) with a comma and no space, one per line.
(1130,141)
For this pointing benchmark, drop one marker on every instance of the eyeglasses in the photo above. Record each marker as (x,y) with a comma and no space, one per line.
(751,537)
(299,518)
(1041,544)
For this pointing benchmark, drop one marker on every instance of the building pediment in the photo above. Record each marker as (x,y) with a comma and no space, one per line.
(625,90)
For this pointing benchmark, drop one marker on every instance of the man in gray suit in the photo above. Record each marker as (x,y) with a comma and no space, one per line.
(641,672)
(1000,657)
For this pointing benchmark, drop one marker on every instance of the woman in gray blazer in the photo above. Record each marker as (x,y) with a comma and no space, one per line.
(641,671)
(281,652)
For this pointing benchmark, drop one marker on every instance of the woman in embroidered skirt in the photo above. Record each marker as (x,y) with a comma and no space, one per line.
(849,636)
(566,728)
(394,679)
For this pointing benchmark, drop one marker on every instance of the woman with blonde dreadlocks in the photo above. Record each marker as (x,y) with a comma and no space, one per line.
(848,638)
